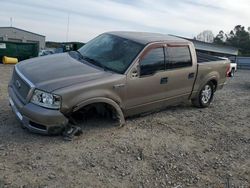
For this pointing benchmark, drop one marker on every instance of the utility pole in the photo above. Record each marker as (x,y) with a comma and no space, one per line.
(67,37)
(10,21)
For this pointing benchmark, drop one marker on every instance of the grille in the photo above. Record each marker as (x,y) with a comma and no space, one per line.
(21,87)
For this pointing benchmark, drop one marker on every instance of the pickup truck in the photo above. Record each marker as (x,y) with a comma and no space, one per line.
(233,66)
(124,73)
(233,69)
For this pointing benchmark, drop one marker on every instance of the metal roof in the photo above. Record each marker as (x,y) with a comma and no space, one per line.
(145,38)
(210,47)
(215,48)
(21,30)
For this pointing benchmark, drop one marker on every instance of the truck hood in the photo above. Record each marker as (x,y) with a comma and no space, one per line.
(58,71)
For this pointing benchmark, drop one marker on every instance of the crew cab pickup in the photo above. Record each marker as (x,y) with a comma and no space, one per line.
(126,72)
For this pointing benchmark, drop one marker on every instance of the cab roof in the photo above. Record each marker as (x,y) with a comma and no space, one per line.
(146,38)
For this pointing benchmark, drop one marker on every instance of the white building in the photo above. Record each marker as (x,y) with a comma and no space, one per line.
(19,35)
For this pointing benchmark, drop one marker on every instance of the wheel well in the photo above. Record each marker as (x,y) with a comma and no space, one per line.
(98,109)
(214,82)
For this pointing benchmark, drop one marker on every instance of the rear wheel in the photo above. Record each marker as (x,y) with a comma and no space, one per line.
(205,96)
(232,73)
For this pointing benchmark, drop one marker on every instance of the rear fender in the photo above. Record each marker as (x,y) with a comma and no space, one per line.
(211,76)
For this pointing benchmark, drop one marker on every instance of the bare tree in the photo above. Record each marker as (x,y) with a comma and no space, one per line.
(206,36)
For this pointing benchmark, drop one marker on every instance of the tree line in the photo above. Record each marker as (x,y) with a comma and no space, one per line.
(239,38)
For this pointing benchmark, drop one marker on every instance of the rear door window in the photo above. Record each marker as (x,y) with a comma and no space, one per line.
(177,57)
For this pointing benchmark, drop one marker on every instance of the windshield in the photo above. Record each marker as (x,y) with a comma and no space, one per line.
(111,52)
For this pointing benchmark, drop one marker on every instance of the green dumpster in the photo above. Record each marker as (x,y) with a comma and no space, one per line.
(21,51)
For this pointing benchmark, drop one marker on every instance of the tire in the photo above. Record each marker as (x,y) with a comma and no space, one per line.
(205,96)
(232,73)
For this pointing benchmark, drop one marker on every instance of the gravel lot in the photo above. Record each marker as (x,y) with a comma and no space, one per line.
(182,146)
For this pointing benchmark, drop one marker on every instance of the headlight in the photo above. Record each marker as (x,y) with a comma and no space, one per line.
(47,100)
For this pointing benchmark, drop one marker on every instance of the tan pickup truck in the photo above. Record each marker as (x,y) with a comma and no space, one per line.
(125,73)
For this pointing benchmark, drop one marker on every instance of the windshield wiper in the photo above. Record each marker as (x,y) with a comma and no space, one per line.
(93,61)
(90,60)
(75,54)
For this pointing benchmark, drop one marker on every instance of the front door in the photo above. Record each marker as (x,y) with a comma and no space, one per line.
(150,84)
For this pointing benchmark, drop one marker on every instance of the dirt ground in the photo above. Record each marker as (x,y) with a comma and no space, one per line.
(181,146)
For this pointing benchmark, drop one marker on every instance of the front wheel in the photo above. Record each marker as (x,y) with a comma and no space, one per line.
(205,96)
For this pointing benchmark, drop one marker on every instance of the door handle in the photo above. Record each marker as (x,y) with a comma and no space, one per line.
(117,86)
(164,80)
(191,75)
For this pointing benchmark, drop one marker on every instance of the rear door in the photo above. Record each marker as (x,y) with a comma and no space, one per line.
(180,70)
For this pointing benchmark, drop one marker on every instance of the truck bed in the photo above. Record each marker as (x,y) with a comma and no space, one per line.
(208,66)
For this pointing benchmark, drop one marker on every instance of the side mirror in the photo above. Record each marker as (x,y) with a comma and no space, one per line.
(134,74)
(135,71)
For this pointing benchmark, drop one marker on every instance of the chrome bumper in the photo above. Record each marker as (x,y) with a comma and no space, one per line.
(15,110)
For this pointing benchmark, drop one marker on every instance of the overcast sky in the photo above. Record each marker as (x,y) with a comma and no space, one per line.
(89,18)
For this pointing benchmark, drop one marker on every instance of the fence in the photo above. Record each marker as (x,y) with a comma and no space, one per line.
(243,62)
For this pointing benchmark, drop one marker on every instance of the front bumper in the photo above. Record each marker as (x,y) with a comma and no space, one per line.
(35,118)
